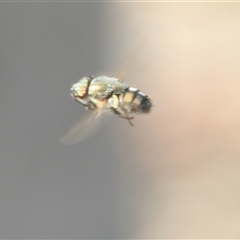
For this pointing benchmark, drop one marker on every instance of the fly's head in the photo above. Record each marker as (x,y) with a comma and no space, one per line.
(79,90)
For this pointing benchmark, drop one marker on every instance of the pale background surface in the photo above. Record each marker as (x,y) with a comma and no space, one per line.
(175,174)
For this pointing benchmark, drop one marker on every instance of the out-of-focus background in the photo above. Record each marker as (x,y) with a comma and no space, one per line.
(175,174)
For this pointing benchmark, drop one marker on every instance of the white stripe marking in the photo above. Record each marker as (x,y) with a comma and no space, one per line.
(141,94)
(132,89)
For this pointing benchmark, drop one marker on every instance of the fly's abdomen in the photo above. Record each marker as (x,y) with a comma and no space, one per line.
(133,100)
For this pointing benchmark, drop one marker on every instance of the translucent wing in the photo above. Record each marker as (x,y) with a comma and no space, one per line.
(83,129)
(128,62)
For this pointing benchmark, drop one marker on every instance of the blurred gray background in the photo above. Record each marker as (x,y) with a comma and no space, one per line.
(175,174)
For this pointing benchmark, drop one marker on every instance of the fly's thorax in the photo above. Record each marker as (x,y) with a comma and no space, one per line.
(99,88)
(103,87)
(133,100)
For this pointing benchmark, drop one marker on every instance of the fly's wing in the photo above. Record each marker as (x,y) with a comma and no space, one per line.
(129,60)
(82,129)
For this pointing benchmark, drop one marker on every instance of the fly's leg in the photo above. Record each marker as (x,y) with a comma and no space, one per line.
(127,117)
(122,116)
